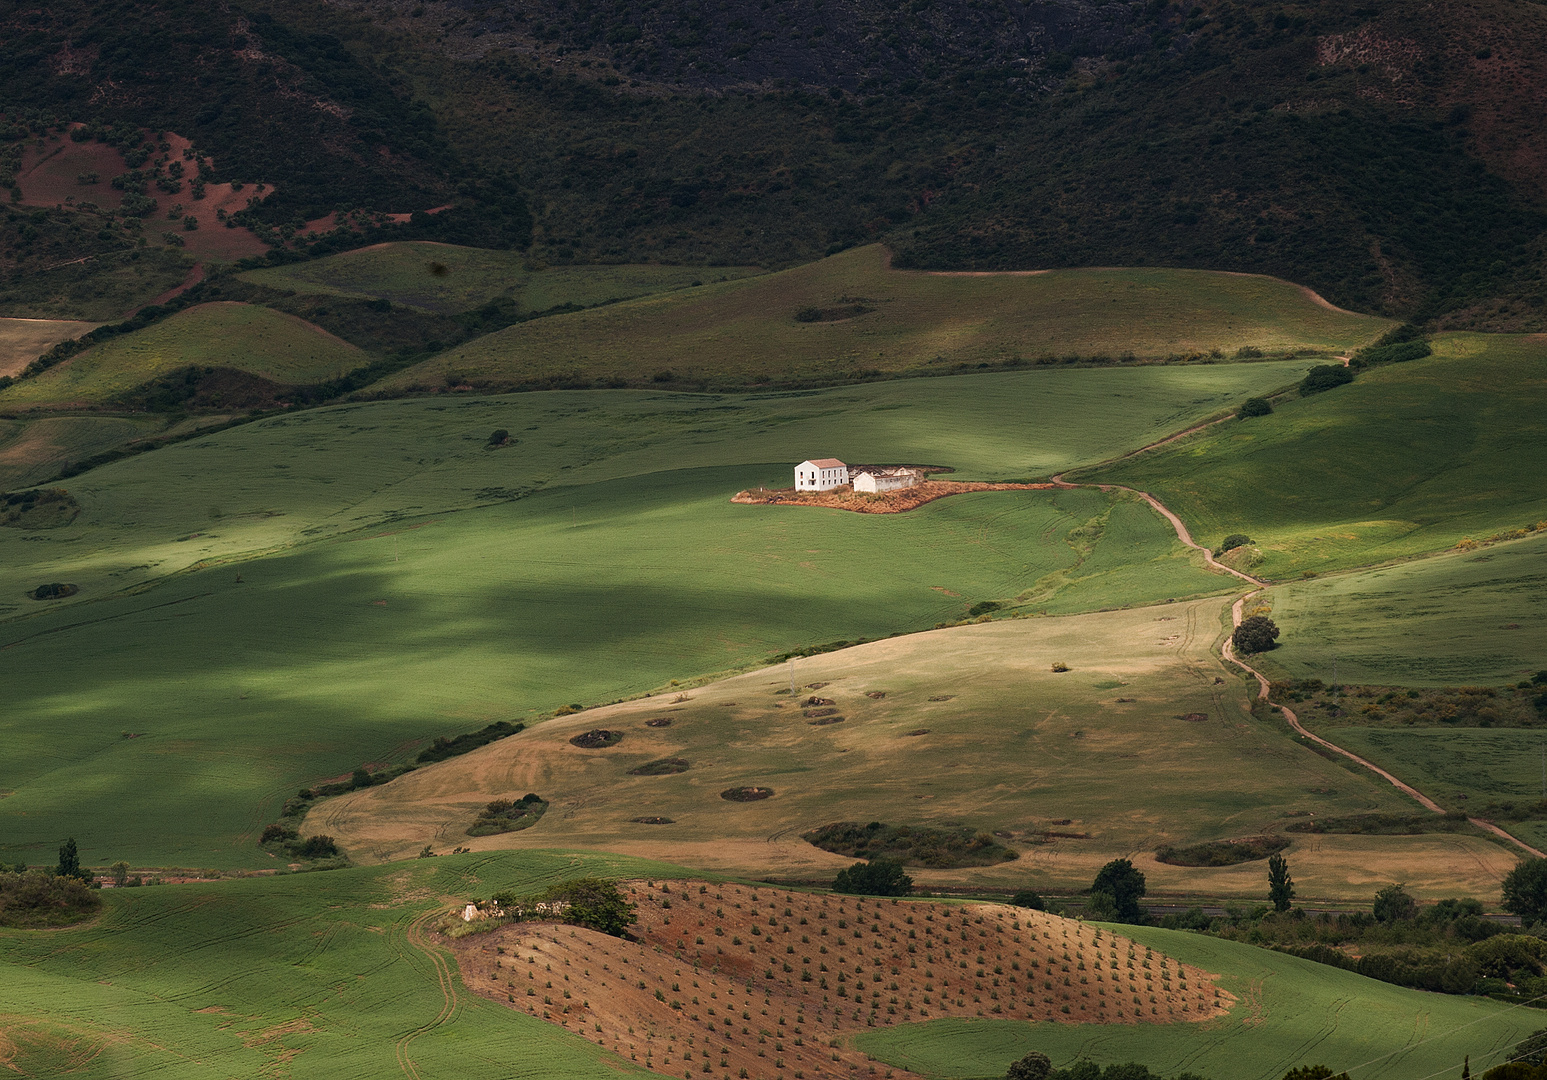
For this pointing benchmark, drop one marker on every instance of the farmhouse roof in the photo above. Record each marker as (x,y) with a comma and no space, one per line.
(826,463)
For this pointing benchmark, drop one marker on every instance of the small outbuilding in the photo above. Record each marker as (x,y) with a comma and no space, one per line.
(878,479)
(821,474)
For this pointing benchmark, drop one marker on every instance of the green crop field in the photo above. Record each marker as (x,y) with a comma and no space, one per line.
(1409,459)
(1291,1012)
(1135,747)
(405,273)
(31,451)
(254,339)
(880,319)
(1466,617)
(402,581)
(317,975)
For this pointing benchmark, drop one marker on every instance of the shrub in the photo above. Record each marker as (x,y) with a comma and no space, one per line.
(1027,899)
(320,846)
(1034,1066)
(1255,634)
(1233,541)
(1254,406)
(808,314)
(878,877)
(911,845)
(1248,352)
(1060,666)
(983,607)
(506,815)
(499,437)
(442,748)
(278,833)
(37,898)
(1222,852)
(1324,377)
(594,903)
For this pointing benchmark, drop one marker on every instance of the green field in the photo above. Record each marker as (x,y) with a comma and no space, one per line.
(513,580)
(403,274)
(257,340)
(1407,460)
(1135,747)
(741,331)
(1466,617)
(1459,768)
(318,975)
(32,451)
(1291,1012)
(330,976)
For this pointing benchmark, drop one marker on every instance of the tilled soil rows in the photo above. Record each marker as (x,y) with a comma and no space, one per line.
(724,978)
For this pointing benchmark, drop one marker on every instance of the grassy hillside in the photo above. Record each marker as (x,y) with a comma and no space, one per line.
(1467,617)
(1292,1012)
(875,319)
(400,580)
(1410,458)
(32,451)
(973,728)
(405,273)
(24,340)
(256,340)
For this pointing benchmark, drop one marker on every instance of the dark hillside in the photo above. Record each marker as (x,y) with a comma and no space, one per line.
(1387,154)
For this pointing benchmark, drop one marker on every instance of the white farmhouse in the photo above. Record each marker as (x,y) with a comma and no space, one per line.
(823,474)
(875,479)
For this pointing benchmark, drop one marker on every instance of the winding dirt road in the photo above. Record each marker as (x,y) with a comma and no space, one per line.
(1227,650)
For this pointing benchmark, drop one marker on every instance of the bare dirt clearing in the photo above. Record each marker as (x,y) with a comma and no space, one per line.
(887,502)
(725,978)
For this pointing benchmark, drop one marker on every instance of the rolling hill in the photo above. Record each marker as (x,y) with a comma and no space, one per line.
(852,315)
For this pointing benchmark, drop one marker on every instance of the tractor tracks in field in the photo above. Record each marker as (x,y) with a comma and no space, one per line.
(413,938)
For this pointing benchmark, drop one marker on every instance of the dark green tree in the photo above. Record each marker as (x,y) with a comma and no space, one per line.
(1125,884)
(1393,904)
(1027,899)
(1255,634)
(1233,541)
(70,862)
(1532,1049)
(1525,890)
(1281,887)
(595,903)
(361,778)
(1034,1066)
(1254,406)
(1314,1072)
(499,437)
(878,877)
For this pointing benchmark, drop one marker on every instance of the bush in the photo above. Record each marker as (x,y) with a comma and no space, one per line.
(911,845)
(1027,899)
(441,749)
(499,437)
(37,898)
(1324,377)
(879,877)
(1254,406)
(594,903)
(1255,635)
(315,847)
(505,815)
(808,314)
(1231,542)
(1222,852)
(1034,1066)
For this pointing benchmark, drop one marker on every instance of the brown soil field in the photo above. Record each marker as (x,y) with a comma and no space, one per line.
(49,176)
(725,977)
(886,502)
(24,340)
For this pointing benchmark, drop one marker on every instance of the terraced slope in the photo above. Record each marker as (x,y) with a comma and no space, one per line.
(865,316)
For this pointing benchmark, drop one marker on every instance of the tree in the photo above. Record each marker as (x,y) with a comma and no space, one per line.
(1281,887)
(1125,885)
(1532,1050)
(878,877)
(1233,541)
(596,904)
(1393,904)
(1034,1066)
(1254,406)
(1255,634)
(1027,899)
(1525,890)
(499,437)
(70,862)
(120,874)
(1314,1072)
